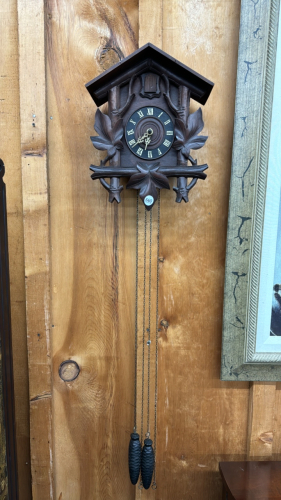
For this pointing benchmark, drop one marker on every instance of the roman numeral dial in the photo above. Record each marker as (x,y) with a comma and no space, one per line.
(149,133)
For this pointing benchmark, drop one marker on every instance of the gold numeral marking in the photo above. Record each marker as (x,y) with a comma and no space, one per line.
(150,111)
(132,142)
(130,132)
(159,151)
(160,114)
(166,122)
(140,113)
(132,121)
(139,151)
(169,132)
(166,143)
(149,154)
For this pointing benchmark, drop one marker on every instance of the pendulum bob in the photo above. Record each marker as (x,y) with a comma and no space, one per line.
(147,463)
(134,457)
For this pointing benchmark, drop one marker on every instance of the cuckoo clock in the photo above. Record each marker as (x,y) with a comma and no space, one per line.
(148,135)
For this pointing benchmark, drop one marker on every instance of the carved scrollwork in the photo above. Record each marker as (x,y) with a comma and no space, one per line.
(148,177)
(110,133)
(131,95)
(187,128)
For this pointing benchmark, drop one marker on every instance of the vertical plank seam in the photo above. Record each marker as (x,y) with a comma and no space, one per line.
(24,12)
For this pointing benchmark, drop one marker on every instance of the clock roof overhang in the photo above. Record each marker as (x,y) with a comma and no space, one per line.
(149,58)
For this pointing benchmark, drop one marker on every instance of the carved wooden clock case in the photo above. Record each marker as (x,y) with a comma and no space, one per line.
(149,132)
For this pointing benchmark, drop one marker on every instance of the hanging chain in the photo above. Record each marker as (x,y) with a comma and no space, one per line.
(154,484)
(149,324)
(136,315)
(147,330)
(143,326)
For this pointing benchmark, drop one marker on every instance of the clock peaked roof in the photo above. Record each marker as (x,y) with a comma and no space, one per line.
(149,58)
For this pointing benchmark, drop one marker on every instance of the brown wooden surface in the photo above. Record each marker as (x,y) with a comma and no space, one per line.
(92,259)
(261,428)
(149,32)
(10,152)
(252,480)
(200,419)
(36,239)
(92,249)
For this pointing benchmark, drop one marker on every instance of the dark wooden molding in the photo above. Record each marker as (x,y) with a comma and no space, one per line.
(148,177)
(7,383)
(144,60)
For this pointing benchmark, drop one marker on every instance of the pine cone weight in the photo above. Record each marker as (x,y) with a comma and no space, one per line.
(134,457)
(147,463)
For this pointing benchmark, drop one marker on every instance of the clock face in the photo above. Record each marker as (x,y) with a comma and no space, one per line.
(149,133)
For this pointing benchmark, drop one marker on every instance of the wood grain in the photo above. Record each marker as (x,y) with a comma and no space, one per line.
(10,152)
(261,428)
(93,259)
(151,22)
(150,30)
(200,419)
(36,239)
(276,445)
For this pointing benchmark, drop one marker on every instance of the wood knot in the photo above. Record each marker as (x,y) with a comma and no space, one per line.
(266,437)
(69,370)
(164,323)
(109,56)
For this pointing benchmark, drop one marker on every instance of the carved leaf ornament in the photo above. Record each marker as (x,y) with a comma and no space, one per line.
(109,137)
(187,138)
(147,180)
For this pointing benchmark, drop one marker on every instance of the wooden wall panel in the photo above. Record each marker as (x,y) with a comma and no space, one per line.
(91,246)
(200,419)
(10,153)
(261,429)
(93,252)
(31,17)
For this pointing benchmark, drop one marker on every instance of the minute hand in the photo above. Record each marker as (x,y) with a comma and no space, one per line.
(140,139)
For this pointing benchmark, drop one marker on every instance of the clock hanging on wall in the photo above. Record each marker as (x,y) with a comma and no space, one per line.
(148,132)
(148,135)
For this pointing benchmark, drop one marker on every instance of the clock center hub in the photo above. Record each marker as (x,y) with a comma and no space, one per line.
(157,137)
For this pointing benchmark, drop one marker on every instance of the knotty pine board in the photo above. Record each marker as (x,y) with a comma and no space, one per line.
(11,154)
(93,259)
(200,419)
(35,198)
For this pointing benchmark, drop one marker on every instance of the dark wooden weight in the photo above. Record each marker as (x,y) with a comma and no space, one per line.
(134,457)
(147,463)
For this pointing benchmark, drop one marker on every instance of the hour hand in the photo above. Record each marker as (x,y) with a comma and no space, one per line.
(147,141)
